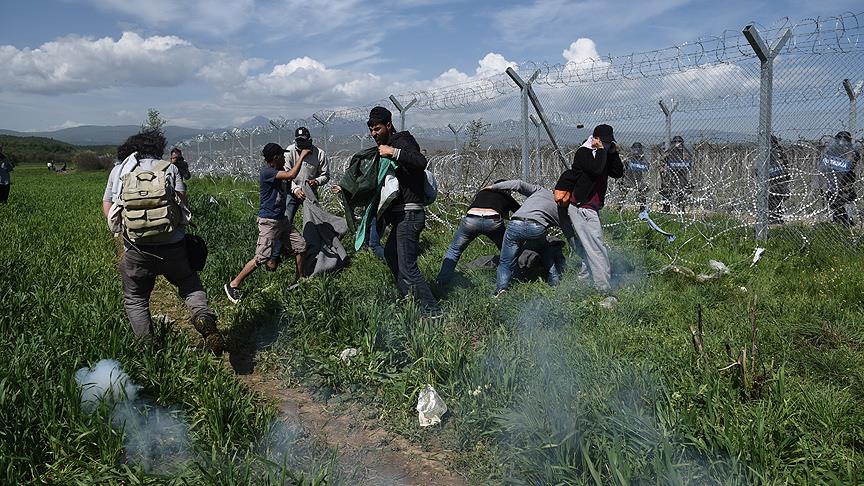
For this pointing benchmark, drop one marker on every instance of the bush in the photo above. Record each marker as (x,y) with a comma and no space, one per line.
(89,160)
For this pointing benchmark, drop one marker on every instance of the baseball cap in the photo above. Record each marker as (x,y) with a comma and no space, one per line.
(302,132)
(604,133)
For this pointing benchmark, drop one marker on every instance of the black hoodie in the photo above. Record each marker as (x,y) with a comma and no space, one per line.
(411,164)
(589,173)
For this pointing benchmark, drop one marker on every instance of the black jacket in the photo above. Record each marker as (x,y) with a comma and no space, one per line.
(581,178)
(411,164)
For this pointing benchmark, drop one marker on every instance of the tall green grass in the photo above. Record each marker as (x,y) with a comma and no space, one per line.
(61,309)
(545,387)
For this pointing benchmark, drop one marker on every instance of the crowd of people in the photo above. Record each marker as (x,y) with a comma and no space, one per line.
(145,203)
(836,176)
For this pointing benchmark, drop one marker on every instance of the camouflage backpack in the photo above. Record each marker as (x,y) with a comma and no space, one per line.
(150,206)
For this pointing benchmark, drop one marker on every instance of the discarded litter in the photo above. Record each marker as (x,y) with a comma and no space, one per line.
(608,302)
(347,354)
(719,268)
(430,407)
(757,255)
(644,217)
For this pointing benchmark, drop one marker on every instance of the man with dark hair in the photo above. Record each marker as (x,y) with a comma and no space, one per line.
(273,227)
(5,178)
(485,216)
(160,250)
(528,228)
(182,166)
(584,185)
(314,173)
(406,214)
(837,176)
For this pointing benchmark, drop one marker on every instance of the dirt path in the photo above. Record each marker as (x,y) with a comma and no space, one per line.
(370,454)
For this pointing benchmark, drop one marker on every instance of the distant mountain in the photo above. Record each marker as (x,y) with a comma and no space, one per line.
(105,135)
(258,121)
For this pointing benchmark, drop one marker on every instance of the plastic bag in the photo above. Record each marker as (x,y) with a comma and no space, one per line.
(430,407)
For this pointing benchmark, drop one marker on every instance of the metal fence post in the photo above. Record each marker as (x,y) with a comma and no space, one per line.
(524,87)
(325,124)
(461,174)
(359,141)
(278,131)
(402,109)
(766,56)
(251,141)
(539,155)
(668,113)
(853,92)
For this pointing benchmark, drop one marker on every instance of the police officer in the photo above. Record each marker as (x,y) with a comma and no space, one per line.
(778,182)
(675,184)
(636,174)
(837,175)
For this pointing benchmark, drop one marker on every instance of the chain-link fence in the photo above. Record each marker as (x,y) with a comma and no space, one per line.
(751,132)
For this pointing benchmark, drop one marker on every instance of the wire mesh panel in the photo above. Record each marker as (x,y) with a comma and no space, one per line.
(687,123)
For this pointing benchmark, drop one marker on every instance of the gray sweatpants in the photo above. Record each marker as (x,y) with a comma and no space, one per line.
(595,257)
(139,271)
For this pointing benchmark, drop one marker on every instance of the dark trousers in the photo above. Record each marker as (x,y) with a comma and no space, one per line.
(4,193)
(401,252)
(139,270)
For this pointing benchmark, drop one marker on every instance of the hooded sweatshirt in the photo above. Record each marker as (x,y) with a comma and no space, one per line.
(588,177)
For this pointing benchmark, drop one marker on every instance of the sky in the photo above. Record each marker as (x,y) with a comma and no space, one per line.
(209,63)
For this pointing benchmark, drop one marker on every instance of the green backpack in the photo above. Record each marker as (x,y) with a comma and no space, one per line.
(150,206)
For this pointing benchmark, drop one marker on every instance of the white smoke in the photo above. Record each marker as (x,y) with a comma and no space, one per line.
(154,437)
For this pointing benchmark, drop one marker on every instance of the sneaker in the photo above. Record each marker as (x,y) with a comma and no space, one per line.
(292,287)
(498,293)
(233,293)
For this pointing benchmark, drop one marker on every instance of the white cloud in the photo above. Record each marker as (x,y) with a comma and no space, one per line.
(66,124)
(311,81)
(583,49)
(77,64)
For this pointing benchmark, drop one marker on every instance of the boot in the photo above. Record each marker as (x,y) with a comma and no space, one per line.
(206,325)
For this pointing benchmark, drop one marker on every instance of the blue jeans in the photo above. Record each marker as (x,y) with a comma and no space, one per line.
(291,207)
(470,228)
(401,252)
(375,239)
(519,233)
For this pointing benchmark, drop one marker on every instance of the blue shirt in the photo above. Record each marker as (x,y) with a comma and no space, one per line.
(273,194)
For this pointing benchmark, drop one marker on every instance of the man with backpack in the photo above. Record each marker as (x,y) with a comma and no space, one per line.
(145,202)
(405,214)
(273,227)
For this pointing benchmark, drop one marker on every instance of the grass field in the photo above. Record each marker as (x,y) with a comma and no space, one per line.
(543,386)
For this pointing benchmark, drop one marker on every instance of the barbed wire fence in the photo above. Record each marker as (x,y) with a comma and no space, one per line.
(755,114)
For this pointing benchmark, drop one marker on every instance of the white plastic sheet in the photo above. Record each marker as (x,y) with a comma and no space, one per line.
(430,407)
